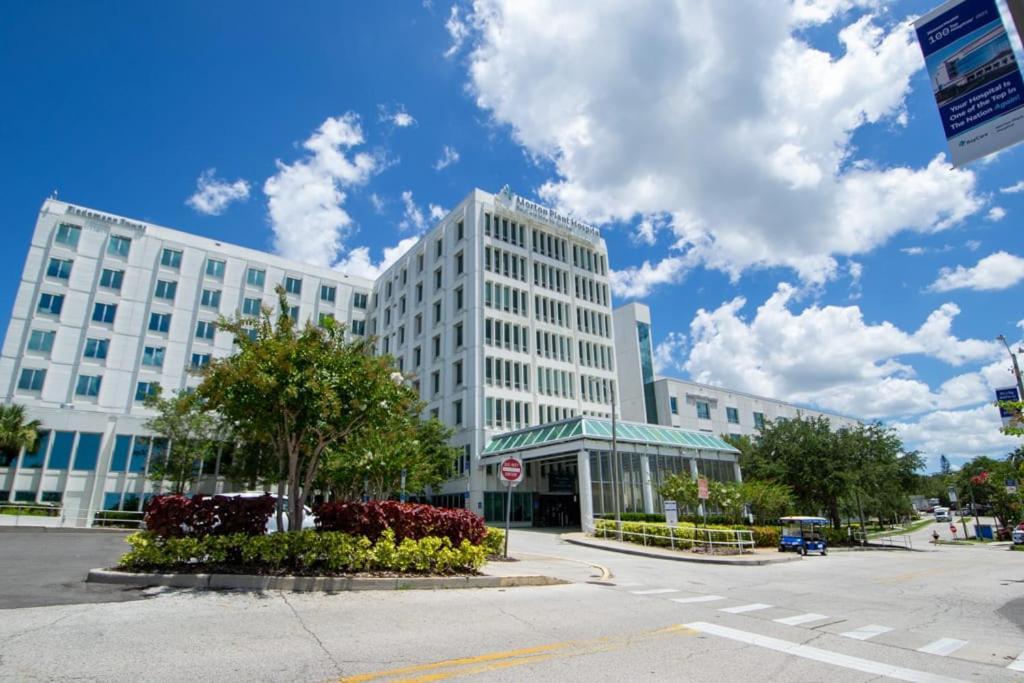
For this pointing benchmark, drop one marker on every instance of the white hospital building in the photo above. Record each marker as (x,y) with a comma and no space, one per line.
(501,315)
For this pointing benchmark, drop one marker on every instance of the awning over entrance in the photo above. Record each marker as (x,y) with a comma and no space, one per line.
(601,430)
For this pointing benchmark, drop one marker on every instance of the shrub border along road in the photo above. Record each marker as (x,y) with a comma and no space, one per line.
(329,584)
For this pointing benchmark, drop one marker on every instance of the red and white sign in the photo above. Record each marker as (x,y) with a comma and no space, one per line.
(702,488)
(510,471)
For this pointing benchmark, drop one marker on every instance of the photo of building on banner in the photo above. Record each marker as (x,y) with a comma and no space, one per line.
(975,77)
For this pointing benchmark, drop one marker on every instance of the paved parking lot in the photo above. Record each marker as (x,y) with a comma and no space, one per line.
(48,567)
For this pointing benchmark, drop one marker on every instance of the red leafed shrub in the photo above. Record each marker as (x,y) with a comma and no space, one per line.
(406,520)
(172,516)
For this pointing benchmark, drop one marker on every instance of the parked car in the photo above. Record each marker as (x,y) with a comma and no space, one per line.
(1018,534)
(942,515)
(307,515)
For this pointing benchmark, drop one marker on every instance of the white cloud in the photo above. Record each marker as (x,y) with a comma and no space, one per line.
(305,197)
(397,117)
(359,263)
(213,195)
(437,212)
(449,156)
(973,245)
(736,86)
(962,433)
(1013,189)
(996,271)
(995,214)
(412,215)
(913,251)
(670,353)
(829,356)
(377,202)
(458,30)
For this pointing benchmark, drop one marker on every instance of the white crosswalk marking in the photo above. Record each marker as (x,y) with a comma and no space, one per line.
(655,591)
(865,632)
(699,598)
(753,607)
(943,647)
(818,655)
(801,619)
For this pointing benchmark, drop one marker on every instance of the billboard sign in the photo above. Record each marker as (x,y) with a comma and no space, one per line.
(1007,394)
(974,76)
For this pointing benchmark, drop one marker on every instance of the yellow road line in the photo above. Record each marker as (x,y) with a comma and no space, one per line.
(467,666)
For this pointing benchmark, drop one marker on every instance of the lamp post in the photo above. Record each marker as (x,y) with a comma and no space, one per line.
(615,473)
(1016,367)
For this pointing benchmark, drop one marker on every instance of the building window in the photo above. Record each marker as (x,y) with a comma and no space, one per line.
(460,230)
(59,268)
(759,420)
(293,285)
(459,298)
(51,303)
(437,279)
(419,263)
(215,269)
(104,313)
(437,312)
(144,390)
(111,279)
(359,300)
(96,348)
(293,313)
(255,277)
(31,379)
(703,410)
(458,336)
(211,298)
(159,322)
(251,306)
(153,356)
(88,385)
(328,293)
(41,340)
(170,258)
(732,415)
(200,360)
(673,404)
(119,246)
(359,327)
(68,234)
(457,411)
(166,290)
(438,249)
(460,263)
(437,347)
(419,292)
(457,372)
(205,329)
(435,382)
(417,357)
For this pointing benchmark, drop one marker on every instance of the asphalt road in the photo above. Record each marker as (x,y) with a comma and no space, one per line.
(40,568)
(937,614)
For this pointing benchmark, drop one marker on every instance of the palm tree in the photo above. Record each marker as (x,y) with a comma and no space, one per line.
(15,432)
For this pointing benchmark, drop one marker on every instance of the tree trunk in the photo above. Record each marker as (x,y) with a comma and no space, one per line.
(280,504)
(833,513)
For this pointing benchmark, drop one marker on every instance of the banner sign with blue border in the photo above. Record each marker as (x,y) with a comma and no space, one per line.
(974,76)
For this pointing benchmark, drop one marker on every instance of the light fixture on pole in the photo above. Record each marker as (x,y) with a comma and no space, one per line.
(615,472)
(1016,367)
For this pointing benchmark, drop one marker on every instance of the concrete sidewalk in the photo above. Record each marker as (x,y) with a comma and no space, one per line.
(761,556)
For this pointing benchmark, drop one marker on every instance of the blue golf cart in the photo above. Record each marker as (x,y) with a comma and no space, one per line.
(803,535)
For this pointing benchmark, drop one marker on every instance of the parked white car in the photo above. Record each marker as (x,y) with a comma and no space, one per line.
(942,515)
(307,515)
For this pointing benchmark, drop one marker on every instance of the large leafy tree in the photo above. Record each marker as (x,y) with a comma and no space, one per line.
(303,392)
(192,431)
(16,432)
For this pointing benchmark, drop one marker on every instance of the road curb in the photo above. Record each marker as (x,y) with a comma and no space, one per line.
(752,562)
(330,584)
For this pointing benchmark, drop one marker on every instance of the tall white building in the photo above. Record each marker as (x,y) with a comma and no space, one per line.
(685,404)
(108,308)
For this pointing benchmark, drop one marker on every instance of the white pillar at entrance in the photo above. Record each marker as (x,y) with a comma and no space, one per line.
(736,469)
(583,481)
(645,477)
(694,474)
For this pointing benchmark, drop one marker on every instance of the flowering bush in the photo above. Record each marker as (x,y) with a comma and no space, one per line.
(405,520)
(176,516)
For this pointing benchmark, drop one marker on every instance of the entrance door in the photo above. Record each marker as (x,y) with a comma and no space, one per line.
(557,510)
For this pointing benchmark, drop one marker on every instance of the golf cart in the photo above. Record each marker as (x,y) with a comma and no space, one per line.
(803,535)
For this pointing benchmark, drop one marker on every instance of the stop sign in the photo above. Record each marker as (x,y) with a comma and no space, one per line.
(510,471)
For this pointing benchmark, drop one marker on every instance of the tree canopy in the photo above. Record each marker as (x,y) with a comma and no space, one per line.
(16,432)
(192,431)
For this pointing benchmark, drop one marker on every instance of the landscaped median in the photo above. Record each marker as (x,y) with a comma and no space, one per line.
(221,542)
(711,538)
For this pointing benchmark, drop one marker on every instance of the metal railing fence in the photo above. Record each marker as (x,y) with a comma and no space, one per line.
(698,539)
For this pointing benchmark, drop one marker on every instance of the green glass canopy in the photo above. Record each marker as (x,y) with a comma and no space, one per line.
(596,428)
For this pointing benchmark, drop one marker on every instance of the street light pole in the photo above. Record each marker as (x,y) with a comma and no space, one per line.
(615,473)
(1016,368)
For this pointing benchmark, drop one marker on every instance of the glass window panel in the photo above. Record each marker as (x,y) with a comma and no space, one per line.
(88,451)
(140,453)
(111,501)
(60,455)
(122,445)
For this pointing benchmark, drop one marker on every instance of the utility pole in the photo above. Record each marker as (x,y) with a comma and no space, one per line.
(1016,367)
(616,472)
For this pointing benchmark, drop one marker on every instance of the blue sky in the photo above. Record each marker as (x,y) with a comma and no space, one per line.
(778,168)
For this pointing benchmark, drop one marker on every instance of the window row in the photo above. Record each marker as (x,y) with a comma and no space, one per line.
(505,298)
(546,413)
(546,244)
(592,322)
(703,408)
(588,289)
(596,355)
(505,335)
(596,389)
(554,346)
(501,228)
(502,262)
(551,311)
(551,382)
(505,414)
(549,277)
(589,260)
(506,373)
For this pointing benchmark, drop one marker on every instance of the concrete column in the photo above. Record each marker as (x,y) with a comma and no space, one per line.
(736,469)
(645,478)
(583,480)
(694,474)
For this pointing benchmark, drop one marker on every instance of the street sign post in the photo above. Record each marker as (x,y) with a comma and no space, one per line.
(671,519)
(1011,486)
(702,494)
(510,472)
(952,494)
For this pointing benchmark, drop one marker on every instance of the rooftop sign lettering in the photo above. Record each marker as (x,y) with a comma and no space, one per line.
(115,220)
(542,213)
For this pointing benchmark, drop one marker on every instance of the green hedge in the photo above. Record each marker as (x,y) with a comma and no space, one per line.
(306,552)
(494,542)
(764,536)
